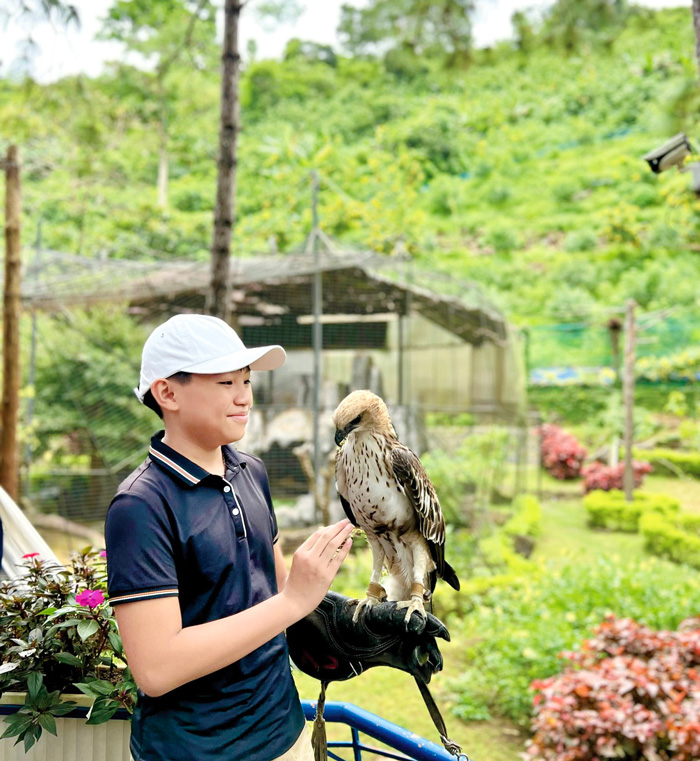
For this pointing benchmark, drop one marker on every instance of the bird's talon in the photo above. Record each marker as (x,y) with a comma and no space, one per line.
(369,602)
(414,605)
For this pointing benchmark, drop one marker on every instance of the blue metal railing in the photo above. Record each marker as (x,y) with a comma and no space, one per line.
(411,745)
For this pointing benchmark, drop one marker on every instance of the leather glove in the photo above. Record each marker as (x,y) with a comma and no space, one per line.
(329,646)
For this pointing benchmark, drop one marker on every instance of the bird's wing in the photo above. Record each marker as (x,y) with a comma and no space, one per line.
(341,486)
(410,473)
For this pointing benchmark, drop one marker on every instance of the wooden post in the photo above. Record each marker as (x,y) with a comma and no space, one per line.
(628,398)
(219,297)
(9,452)
(696,27)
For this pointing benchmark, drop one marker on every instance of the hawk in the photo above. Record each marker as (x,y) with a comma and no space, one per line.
(385,490)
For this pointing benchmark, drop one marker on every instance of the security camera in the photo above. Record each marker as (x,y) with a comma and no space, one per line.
(669,154)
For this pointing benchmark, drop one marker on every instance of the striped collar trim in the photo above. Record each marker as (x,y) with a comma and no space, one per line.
(173,466)
(186,470)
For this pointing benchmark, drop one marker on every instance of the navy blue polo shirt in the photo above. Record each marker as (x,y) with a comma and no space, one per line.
(175,530)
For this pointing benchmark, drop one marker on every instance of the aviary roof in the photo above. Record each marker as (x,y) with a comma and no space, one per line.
(357,283)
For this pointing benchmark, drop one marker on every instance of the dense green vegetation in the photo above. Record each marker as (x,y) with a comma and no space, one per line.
(521,171)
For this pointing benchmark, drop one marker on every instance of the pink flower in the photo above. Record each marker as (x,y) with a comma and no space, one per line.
(103,554)
(31,555)
(90,598)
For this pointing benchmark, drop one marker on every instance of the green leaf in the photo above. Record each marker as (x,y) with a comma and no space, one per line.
(116,642)
(33,734)
(88,628)
(102,710)
(69,659)
(86,689)
(34,684)
(63,707)
(70,622)
(46,612)
(17,726)
(48,722)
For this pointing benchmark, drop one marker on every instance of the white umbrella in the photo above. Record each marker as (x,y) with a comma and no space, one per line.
(20,537)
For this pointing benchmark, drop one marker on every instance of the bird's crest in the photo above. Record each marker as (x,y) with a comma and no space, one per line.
(363,411)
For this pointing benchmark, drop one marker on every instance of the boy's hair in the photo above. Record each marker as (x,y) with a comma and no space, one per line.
(182,378)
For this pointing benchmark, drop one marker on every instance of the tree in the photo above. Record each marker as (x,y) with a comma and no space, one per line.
(570,23)
(421,27)
(28,13)
(165,33)
(696,25)
(219,297)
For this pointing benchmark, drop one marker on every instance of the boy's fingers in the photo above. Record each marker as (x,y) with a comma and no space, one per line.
(331,535)
(335,541)
(342,552)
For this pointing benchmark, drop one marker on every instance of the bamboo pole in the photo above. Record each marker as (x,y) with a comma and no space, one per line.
(628,397)
(9,452)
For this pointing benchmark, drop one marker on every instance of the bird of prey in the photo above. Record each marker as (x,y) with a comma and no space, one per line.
(385,490)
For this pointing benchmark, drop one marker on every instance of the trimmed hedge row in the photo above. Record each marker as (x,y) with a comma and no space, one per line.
(527,520)
(677,539)
(609,509)
(671,462)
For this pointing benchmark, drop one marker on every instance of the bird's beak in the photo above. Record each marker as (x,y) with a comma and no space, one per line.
(339,436)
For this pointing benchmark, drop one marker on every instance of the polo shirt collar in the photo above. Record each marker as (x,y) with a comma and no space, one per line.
(183,468)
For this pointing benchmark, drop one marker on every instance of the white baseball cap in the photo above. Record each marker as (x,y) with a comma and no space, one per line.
(199,343)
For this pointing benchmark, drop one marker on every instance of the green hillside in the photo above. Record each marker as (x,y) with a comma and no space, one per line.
(522,172)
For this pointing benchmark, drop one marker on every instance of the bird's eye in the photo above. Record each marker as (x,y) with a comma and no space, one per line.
(356,420)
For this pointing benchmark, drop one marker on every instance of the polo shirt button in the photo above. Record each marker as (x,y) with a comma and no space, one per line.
(235,511)
(227,488)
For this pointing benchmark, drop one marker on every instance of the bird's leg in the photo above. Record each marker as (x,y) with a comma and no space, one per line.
(421,558)
(415,604)
(375,591)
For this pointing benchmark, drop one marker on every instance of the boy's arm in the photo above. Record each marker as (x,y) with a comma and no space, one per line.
(280,567)
(163,655)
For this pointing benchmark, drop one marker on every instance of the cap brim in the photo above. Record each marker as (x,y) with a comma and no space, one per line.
(259,358)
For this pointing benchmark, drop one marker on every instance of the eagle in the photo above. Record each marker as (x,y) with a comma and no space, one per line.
(385,491)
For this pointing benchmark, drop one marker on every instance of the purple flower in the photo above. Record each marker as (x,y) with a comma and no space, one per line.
(90,598)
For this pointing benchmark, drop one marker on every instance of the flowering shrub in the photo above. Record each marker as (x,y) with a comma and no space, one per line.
(608,477)
(562,455)
(58,635)
(632,693)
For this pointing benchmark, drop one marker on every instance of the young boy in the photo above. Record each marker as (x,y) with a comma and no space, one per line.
(199,584)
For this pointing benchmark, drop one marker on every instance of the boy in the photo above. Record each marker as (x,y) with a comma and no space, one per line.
(199,585)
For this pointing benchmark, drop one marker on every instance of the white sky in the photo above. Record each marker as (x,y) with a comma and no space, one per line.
(64,52)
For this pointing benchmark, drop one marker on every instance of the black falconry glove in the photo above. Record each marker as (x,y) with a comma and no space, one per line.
(328,645)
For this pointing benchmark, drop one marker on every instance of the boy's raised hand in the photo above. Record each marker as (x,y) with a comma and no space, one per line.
(315,564)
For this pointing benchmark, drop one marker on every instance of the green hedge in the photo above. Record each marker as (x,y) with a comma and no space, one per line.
(527,519)
(579,404)
(609,509)
(671,461)
(676,539)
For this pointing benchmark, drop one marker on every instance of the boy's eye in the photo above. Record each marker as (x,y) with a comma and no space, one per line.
(226,383)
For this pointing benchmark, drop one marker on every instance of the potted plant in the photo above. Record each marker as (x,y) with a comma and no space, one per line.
(59,641)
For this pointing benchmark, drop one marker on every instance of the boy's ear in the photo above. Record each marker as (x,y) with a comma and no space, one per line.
(164,393)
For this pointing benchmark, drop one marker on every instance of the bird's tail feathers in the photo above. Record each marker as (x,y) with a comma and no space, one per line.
(449,575)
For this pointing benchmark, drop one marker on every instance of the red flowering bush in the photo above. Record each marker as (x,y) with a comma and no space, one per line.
(632,693)
(609,477)
(562,455)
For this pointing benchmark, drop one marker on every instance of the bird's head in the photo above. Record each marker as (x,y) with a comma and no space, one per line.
(361,411)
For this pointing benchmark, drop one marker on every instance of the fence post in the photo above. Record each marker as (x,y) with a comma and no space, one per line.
(9,453)
(628,396)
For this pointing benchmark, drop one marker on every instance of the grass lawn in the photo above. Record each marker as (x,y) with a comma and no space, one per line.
(394,696)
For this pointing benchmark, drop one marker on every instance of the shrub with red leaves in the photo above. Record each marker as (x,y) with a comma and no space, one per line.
(562,455)
(632,693)
(608,477)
